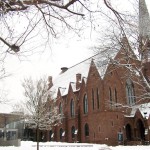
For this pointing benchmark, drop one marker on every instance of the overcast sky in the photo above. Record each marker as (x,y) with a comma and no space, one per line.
(63,53)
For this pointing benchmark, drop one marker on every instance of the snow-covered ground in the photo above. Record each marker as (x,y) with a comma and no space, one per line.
(73,146)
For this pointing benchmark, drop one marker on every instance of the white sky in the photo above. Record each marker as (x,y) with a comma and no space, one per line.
(74,146)
(63,53)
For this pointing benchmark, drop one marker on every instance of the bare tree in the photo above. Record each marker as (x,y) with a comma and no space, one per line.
(37,95)
(28,25)
(24,20)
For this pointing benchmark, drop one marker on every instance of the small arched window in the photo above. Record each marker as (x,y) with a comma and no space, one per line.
(130,92)
(93,103)
(86,130)
(85,104)
(98,98)
(50,111)
(72,109)
(110,97)
(115,96)
(60,133)
(73,132)
(50,135)
(60,108)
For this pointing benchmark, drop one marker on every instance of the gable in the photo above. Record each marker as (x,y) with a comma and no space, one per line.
(63,80)
(93,73)
(143,109)
(125,51)
(71,89)
(124,57)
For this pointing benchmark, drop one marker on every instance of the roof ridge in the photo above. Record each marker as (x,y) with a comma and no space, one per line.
(83,61)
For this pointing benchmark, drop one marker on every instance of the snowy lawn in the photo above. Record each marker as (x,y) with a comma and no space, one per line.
(26,145)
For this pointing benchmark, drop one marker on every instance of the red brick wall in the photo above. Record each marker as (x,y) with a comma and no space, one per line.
(106,121)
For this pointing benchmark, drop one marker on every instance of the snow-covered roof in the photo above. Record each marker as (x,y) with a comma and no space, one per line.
(143,108)
(68,77)
(102,60)
(63,80)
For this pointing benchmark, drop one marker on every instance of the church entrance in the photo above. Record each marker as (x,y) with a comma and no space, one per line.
(128,132)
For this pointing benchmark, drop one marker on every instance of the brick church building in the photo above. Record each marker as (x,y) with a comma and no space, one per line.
(106,98)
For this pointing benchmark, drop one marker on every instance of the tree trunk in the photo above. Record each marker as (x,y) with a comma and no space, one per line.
(37,137)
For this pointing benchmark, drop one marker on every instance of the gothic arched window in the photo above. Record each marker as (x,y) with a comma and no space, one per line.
(60,108)
(110,98)
(115,96)
(85,104)
(130,92)
(60,133)
(98,98)
(50,135)
(93,102)
(72,109)
(86,129)
(73,132)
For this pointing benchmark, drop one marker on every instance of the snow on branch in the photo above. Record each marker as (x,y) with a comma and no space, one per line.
(36,96)
(19,5)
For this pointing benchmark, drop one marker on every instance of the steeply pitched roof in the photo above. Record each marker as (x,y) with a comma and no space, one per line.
(69,76)
(102,60)
(144,18)
(143,108)
(63,80)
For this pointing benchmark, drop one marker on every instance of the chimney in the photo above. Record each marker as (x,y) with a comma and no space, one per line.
(78,77)
(50,82)
(63,69)
(78,80)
